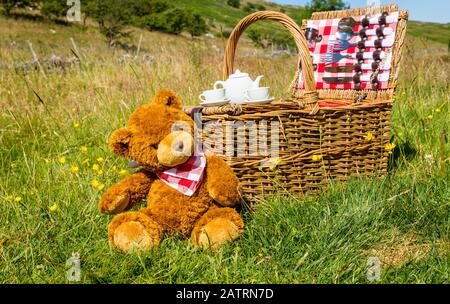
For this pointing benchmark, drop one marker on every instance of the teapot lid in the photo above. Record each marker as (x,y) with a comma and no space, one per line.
(238,74)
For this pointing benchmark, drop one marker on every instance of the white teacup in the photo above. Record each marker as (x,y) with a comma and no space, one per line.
(257,94)
(212,95)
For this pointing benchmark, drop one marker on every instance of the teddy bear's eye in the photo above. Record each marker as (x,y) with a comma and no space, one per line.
(154,146)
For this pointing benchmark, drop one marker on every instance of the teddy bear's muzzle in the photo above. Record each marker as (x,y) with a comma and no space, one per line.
(175,149)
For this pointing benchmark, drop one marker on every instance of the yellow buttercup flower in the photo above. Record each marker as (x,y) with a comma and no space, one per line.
(83,149)
(275,161)
(123,172)
(438,110)
(95,167)
(94,183)
(54,207)
(100,187)
(62,160)
(100,172)
(390,147)
(113,168)
(47,161)
(369,136)
(430,117)
(18,199)
(9,198)
(317,158)
(76,125)
(74,169)
(100,159)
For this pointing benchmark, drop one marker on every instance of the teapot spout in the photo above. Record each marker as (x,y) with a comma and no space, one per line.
(256,82)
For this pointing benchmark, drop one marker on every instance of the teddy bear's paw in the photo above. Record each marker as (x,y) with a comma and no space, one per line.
(134,231)
(114,204)
(216,233)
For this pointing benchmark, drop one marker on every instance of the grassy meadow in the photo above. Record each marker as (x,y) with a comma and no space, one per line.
(55,163)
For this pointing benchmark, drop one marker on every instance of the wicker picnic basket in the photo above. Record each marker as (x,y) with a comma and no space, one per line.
(316,144)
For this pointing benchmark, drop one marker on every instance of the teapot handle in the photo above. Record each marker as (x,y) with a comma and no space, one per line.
(216,85)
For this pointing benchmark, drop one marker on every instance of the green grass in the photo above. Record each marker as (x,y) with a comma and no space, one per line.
(431,31)
(404,218)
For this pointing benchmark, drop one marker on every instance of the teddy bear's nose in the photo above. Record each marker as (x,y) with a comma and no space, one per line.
(178,146)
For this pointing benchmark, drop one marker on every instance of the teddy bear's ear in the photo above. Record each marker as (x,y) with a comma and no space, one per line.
(119,141)
(168,98)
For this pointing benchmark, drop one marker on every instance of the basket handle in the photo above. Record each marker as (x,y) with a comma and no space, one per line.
(310,95)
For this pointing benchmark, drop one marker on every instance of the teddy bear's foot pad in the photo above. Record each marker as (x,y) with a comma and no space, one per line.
(134,231)
(216,233)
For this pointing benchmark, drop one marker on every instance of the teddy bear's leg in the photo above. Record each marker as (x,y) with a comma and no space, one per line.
(132,231)
(217,227)
(126,193)
(221,181)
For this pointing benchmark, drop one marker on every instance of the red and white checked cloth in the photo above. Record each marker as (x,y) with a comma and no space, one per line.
(186,177)
(328,29)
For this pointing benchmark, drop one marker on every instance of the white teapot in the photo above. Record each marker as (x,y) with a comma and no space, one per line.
(236,86)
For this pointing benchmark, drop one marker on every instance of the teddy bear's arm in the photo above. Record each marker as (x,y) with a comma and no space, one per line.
(126,193)
(221,182)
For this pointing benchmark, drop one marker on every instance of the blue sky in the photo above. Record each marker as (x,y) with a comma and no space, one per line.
(420,10)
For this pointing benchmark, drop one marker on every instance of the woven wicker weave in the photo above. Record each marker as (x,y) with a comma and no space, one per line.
(315,144)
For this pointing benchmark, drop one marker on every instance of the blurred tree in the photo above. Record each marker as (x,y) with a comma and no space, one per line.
(174,20)
(112,17)
(158,15)
(234,3)
(54,8)
(171,21)
(253,7)
(327,5)
(8,5)
(146,7)
(195,24)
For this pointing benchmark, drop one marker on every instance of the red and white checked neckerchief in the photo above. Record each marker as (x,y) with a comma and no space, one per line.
(186,177)
(328,29)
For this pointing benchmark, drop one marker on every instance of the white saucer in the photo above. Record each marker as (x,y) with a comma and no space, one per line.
(215,103)
(259,101)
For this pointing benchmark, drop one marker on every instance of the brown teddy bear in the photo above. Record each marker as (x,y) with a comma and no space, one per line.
(159,138)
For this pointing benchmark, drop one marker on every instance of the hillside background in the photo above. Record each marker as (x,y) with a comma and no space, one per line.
(218,11)
(216,17)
